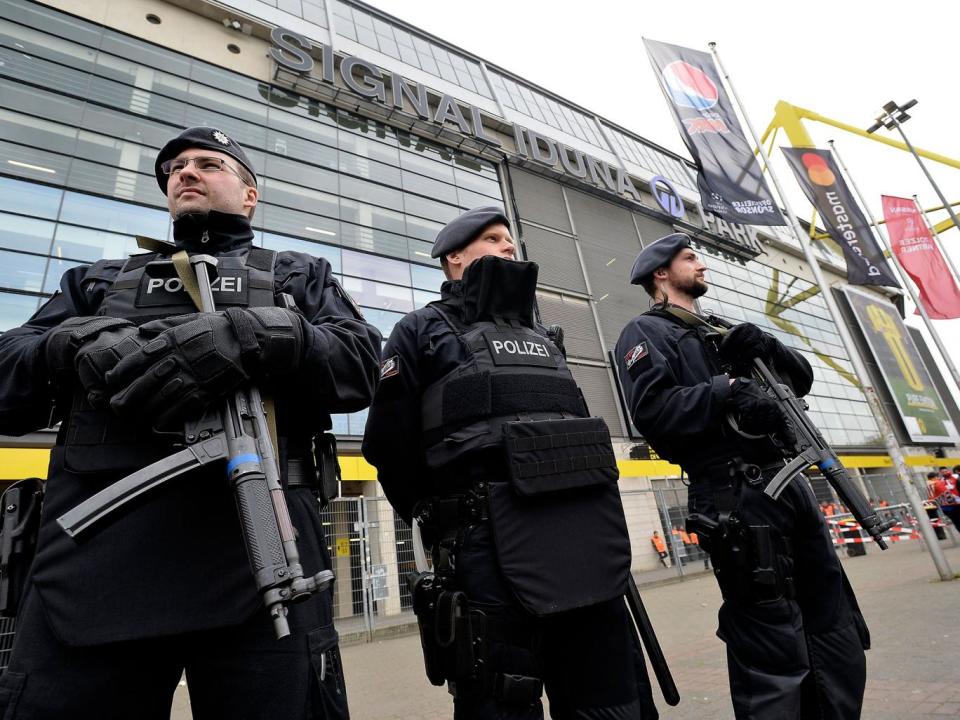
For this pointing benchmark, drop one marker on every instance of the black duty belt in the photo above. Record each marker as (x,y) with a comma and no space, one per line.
(301,472)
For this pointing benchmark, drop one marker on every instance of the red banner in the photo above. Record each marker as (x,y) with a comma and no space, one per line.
(920,257)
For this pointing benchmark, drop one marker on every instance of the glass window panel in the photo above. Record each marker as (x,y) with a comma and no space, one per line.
(26,46)
(254,110)
(382,149)
(21,272)
(379,295)
(37,102)
(423,207)
(290,6)
(436,189)
(358,422)
(33,164)
(351,187)
(369,169)
(111,215)
(374,240)
(429,165)
(15,310)
(291,222)
(331,254)
(366,36)
(122,184)
(55,271)
(340,425)
(301,150)
(247,134)
(24,233)
(388,46)
(382,320)
(138,51)
(363,265)
(277,192)
(314,178)
(422,229)
(421,298)
(409,56)
(90,244)
(314,14)
(370,215)
(477,183)
(29,198)
(426,278)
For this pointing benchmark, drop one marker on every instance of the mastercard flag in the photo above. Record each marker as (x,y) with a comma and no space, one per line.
(729,179)
(913,245)
(827,191)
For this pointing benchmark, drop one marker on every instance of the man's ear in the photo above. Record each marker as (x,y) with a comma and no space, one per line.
(250,196)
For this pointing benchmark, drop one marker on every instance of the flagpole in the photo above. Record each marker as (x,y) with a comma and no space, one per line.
(936,238)
(860,370)
(904,278)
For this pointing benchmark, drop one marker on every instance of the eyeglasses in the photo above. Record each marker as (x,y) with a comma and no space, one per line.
(202,163)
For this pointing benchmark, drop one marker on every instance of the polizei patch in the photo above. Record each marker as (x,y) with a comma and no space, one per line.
(518,348)
(390,367)
(161,287)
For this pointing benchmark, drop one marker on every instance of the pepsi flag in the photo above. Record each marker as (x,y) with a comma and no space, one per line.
(729,179)
(827,191)
(913,245)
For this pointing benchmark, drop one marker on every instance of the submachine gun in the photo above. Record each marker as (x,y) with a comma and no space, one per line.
(809,448)
(239,435)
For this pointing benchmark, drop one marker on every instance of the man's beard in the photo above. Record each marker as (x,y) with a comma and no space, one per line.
(694,288)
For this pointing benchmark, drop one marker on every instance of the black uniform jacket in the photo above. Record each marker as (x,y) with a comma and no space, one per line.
(677,392)
(176,561)
(422,349)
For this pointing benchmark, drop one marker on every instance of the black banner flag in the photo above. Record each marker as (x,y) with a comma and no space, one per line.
(827,191)
(730,182)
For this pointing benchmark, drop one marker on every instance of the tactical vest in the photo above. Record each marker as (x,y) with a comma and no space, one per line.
(147,288)
(513,373)
(553,505)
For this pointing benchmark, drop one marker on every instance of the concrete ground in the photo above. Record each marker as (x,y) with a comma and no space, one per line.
(912,669)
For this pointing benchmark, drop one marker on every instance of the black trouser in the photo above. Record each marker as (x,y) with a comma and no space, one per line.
(798,656)
(586,657)
(240,672)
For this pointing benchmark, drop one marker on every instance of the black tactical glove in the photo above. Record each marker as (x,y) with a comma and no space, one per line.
(744,343)
(757,413)
(190,361)
(63,345)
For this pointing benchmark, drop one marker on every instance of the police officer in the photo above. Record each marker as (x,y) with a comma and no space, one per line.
(480,435)
(122,358)
(794,634)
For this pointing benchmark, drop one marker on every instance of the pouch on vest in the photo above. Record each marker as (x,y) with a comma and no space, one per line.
(555,455)
(558,524)
(561,550)
(328,466)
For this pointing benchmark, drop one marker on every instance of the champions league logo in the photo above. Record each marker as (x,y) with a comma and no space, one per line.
(688,86)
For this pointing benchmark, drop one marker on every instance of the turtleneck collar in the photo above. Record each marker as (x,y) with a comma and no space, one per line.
(212,232)
(451,290)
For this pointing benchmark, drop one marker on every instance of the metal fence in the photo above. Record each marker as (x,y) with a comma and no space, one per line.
(371,551)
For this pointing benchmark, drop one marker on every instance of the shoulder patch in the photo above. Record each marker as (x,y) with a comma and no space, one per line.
(637,352)
(390,367)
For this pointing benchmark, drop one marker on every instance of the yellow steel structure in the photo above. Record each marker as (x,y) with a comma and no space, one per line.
(17,463)
(790,118)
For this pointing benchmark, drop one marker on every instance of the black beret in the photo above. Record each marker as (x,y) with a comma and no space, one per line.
(460,231)
(656,255)
(200,137)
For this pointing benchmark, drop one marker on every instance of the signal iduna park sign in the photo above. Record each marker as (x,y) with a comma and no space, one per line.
(292,51)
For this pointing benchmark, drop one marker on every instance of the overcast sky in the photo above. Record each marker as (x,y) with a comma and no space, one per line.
(843,60)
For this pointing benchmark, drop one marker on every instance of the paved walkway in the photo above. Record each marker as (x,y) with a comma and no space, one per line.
(912,668)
